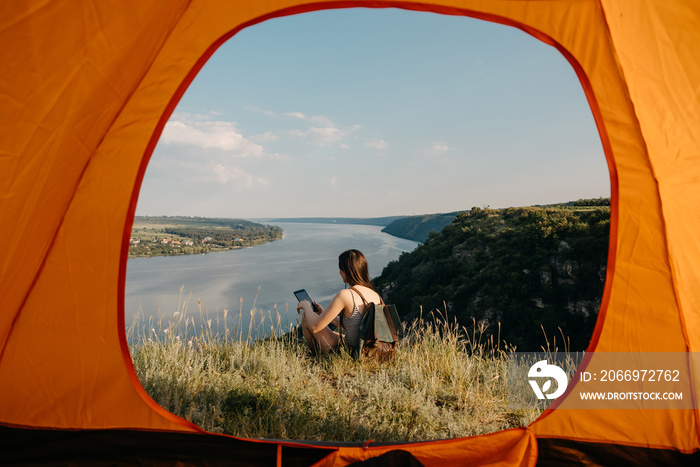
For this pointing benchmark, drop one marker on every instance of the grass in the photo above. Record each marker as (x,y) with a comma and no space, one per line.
(442,383)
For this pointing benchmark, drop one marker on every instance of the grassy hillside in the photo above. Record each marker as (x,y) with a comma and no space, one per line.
(518,271)
(442,383)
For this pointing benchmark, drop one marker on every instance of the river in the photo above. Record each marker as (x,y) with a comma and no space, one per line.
(260,278)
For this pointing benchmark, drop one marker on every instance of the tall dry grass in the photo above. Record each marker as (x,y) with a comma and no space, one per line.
(443,382)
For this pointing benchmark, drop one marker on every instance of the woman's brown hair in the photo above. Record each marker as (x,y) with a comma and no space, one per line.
(354,265)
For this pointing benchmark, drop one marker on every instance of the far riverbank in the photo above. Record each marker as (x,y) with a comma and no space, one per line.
(171,236)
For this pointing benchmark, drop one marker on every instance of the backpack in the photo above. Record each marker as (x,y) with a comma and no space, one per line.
(380,330)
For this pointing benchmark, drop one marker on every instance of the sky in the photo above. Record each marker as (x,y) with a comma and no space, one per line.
(369,113)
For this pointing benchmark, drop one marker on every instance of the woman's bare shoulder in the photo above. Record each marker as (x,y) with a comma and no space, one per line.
(370,295)
(344,295)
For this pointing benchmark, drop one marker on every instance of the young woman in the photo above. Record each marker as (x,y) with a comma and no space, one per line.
(345,309)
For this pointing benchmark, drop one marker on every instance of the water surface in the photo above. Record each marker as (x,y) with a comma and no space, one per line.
(307,257)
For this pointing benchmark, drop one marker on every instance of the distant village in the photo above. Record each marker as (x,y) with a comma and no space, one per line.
(176,243)
(170,245)
(163,236)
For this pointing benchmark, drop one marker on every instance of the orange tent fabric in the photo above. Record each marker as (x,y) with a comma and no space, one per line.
(88,86)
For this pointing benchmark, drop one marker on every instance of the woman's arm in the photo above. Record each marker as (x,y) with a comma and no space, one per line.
(325,317)
(318,309)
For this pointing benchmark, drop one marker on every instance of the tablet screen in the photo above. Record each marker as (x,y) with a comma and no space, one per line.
(303,295)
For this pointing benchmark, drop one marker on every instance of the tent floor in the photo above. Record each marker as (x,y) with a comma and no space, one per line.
(557,452)
(130,447)
(20,446)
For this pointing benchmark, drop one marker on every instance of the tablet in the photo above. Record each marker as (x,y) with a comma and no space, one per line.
(302,295)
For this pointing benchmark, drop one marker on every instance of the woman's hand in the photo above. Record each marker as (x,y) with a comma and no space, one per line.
(304,306)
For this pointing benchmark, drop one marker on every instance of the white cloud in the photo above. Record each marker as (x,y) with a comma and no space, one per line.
(267,136)
(377,144)
(436,149)
(334,180)
(256,109)
(298,115)
(185,169)
(322,131)
(196,150)
(323,135)
(344,146)
(317,119)
(193,130)
(237,176)
(321,120)
(320,136)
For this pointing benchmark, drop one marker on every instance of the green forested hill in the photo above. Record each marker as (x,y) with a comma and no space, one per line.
(417,228)
(339,220)
(526,268)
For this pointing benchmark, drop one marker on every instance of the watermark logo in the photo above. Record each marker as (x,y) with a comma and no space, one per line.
(606,380)
(542,369)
